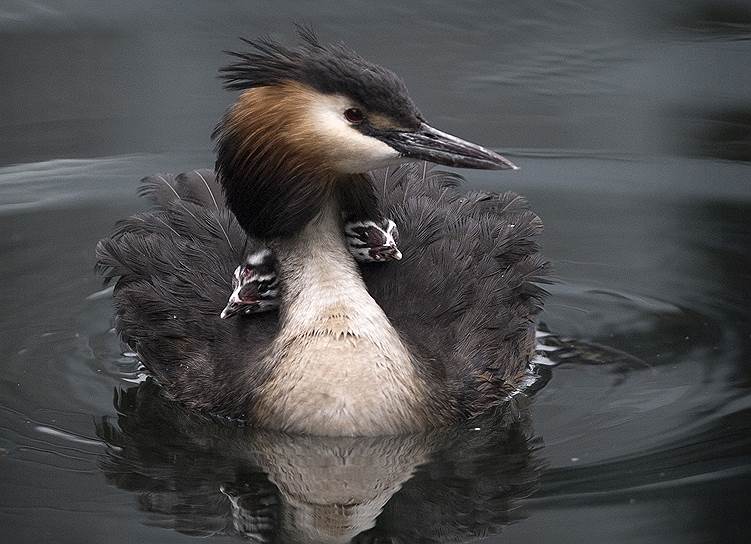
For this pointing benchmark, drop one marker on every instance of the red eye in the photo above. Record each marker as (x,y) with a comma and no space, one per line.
(354,115)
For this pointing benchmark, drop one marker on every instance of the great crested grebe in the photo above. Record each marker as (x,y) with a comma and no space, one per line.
(443,334)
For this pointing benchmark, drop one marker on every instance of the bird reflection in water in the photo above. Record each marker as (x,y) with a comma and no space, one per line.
(202,477)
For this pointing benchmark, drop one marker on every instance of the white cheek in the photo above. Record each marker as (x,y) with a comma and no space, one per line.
(364,153)
(350,150)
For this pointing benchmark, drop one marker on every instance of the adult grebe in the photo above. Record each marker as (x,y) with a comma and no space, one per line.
(444,334)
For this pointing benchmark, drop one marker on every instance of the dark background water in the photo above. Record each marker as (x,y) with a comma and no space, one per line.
(632,124)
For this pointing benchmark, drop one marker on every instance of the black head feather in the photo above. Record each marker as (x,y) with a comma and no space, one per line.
(330,69)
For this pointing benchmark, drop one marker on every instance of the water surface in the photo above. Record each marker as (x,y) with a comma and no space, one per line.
(632,125)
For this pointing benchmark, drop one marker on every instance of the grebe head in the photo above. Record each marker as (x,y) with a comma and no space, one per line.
(255,287)
(370,242)
(319,112)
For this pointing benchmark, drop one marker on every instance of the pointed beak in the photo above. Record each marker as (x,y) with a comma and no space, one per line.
(234,307)
(430,144)
(386,253)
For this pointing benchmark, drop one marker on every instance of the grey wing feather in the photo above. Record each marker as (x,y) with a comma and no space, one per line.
(172,267)
(197,187)
(468,285)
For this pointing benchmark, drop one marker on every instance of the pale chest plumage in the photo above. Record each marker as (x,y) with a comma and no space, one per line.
(338,365)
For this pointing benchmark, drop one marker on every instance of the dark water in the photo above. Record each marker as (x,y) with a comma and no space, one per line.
(632,124)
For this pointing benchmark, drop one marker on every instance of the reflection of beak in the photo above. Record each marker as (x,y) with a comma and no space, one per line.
(429,144)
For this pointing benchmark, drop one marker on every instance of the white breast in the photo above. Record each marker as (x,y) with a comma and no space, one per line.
(340,367)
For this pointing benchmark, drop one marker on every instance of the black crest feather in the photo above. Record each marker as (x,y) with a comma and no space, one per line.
(330,69)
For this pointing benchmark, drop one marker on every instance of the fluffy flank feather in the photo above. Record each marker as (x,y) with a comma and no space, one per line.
(471,269)
(173,268)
